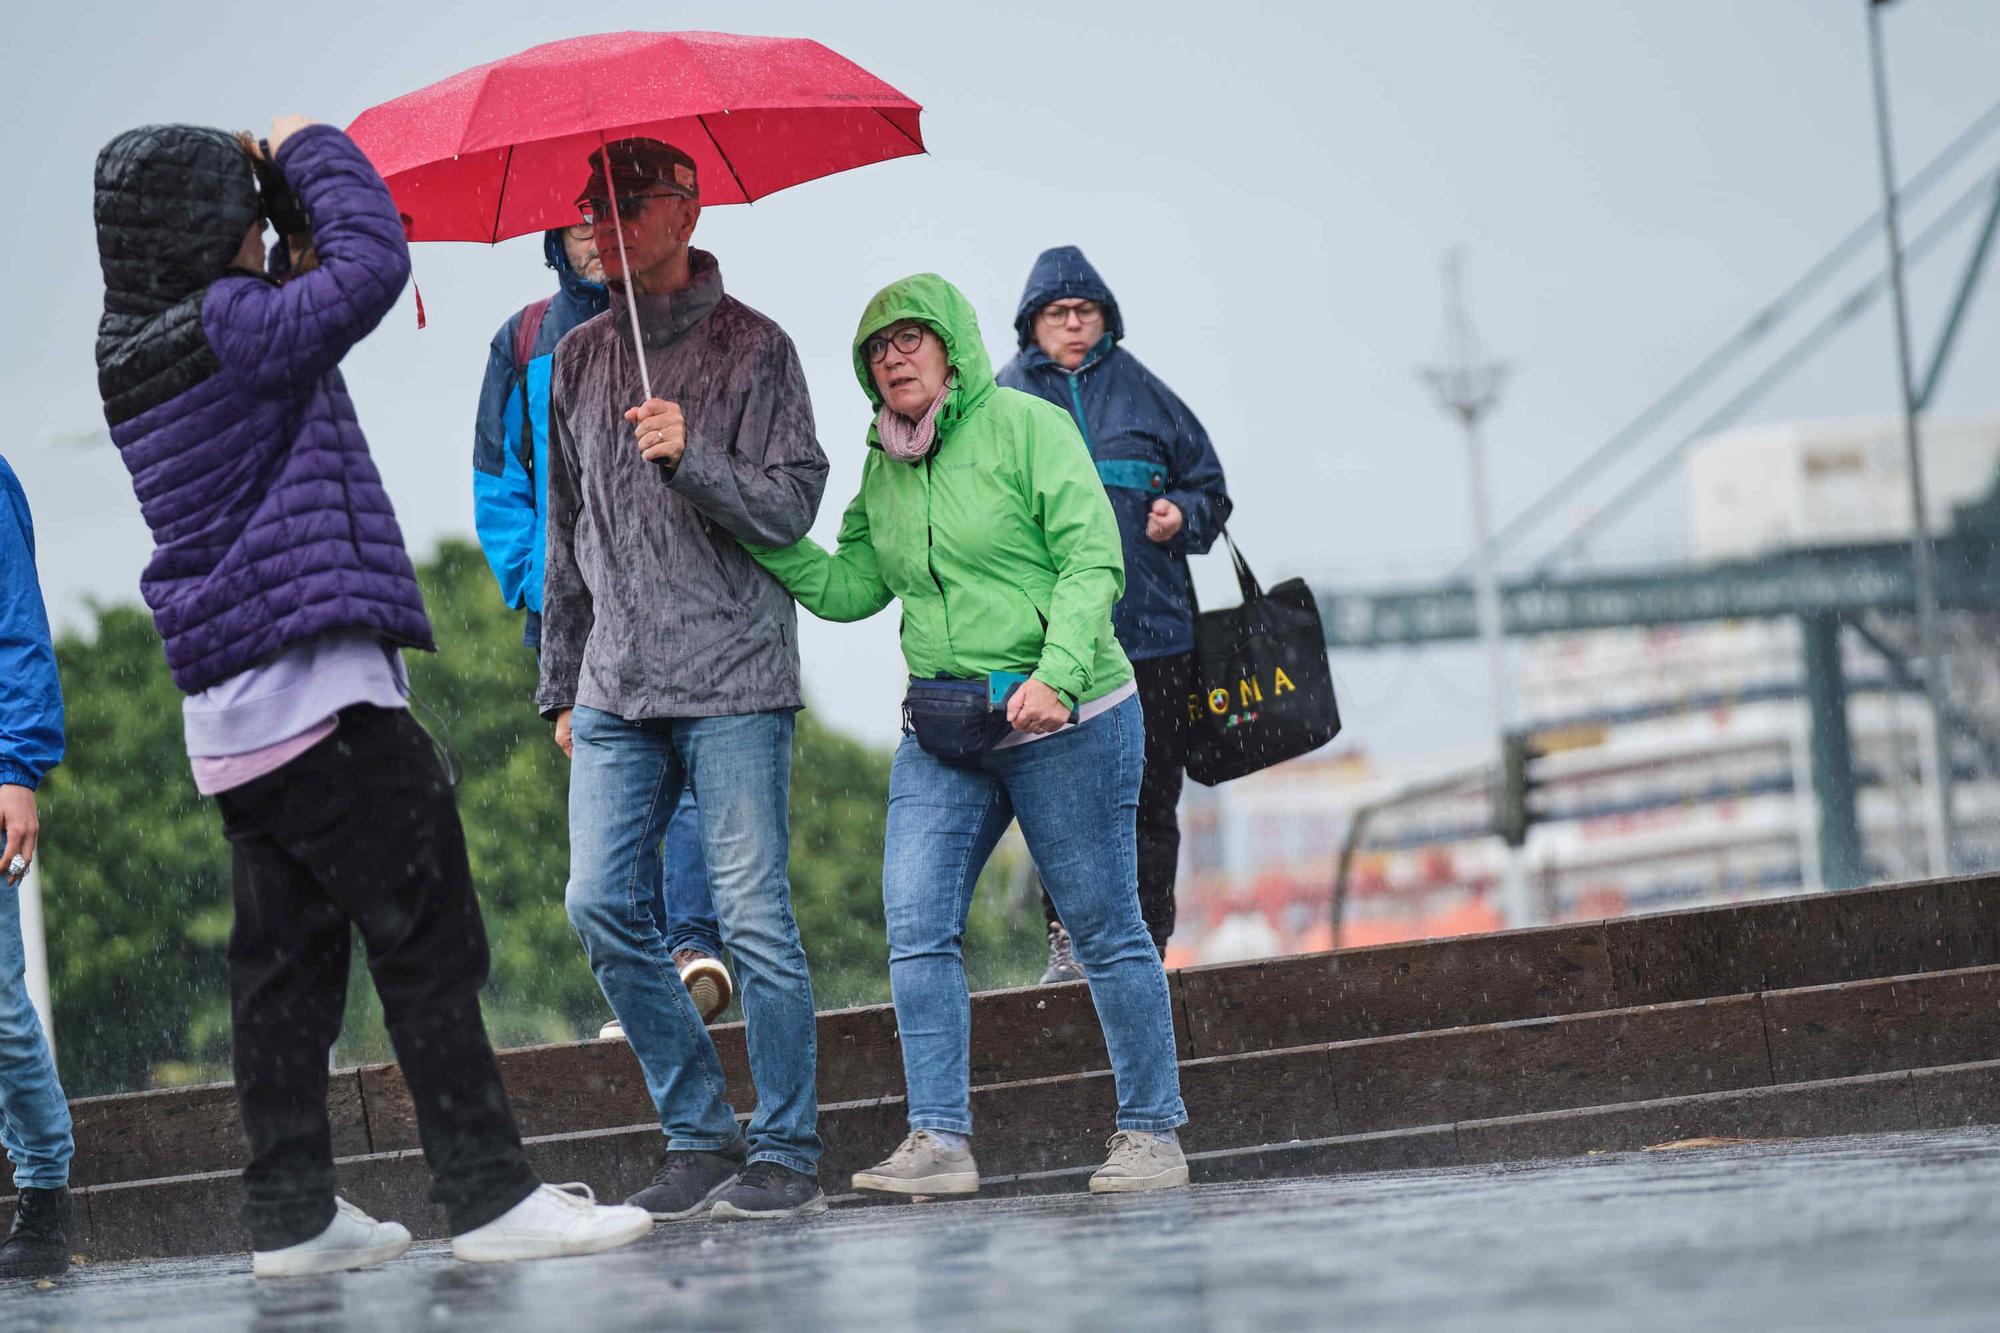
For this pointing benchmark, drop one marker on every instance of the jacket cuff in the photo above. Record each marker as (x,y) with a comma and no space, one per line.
(14,775)
(1194,538)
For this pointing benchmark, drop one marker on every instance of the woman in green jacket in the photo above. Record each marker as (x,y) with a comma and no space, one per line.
(981,512)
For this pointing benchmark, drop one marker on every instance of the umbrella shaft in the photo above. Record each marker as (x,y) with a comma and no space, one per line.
(631,297)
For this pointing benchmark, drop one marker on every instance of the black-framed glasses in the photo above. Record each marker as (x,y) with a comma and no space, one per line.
(597,211)
(906,340)
(1055,315)
(580,231)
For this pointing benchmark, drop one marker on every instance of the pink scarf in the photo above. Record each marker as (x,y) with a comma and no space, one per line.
(911,440)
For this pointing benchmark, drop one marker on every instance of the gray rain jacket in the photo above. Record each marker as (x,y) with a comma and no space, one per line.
(650,606)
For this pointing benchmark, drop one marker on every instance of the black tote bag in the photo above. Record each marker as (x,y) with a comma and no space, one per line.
(1263,692)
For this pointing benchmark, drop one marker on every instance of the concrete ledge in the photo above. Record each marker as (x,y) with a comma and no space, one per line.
(1453,986)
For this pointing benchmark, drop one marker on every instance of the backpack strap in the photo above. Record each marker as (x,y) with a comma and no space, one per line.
(526,329)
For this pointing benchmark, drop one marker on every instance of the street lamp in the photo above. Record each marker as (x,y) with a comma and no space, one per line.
(1467,386)
(1938,832)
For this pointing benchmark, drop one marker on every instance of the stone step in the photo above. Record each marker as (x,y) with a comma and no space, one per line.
(1500,1079)
(1051,1031)
(196,1214)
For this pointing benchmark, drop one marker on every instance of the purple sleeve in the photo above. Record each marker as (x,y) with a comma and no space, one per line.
(278,340)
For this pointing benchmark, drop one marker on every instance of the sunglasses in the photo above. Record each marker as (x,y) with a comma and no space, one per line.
(598,211)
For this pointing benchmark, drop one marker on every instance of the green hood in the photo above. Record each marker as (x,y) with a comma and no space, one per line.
(929,298)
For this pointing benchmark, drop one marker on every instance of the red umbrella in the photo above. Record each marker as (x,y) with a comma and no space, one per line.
(500,150)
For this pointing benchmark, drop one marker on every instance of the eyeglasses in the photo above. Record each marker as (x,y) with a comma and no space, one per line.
(1057,314)
(906,340)
(629,205)
(580,231)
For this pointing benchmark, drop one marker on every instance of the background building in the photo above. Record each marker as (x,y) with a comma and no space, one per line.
(1678,769)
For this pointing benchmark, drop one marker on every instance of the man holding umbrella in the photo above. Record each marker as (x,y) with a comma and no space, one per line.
(669,656)
(510,460)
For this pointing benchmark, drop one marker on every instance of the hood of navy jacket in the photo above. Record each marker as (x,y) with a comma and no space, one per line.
(1063,274)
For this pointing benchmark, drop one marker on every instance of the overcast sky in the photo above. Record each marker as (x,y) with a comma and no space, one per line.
(1267,187)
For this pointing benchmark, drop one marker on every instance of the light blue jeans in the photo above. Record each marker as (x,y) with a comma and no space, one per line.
(1077,796)
(626,778)
(34,1115)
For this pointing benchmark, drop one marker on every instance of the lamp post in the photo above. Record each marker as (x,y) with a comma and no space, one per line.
(1468,387)
(1938,831)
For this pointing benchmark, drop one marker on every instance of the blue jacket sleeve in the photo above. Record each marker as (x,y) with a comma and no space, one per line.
(503,494)
(31,709)
(276,341)
(1198,490)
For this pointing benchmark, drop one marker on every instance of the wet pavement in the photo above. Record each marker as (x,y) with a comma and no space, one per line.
(1890,1231)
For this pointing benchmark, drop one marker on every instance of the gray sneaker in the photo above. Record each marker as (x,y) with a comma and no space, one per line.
(1062,958)
(766,1189)
(1141,1161)
(922,1165)
(689,1182)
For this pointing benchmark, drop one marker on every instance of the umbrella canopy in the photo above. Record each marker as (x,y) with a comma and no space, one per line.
(500,150)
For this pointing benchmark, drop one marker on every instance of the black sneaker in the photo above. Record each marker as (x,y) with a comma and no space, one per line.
(688,1182)
(770,1190)
(38,1244)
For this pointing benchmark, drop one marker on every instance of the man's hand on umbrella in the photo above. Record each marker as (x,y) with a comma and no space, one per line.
(283,128)
(1163,524)
(661,431)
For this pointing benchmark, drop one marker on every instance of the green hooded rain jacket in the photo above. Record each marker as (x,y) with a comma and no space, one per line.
(1001,545)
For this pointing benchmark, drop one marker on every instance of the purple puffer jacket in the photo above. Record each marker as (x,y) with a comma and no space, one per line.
(270,524)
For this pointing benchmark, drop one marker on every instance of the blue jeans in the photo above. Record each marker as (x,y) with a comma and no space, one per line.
(626,778)
(685,906)
(1077,796)
(34,1115)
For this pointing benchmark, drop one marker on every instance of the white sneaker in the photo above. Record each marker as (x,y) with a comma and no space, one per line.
(352,1239)
(612,1031)
(555,1220)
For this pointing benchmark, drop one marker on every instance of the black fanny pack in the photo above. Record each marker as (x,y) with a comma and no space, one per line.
(954,719)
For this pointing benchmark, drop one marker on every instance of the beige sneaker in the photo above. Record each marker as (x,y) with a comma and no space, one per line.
(1141,1161)
(922,1165)
(707,982)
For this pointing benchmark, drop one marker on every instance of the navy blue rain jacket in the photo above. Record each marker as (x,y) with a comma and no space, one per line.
(31,708)
(510,450)
(1146,444)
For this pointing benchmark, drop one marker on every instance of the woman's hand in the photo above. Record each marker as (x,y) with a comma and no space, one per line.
(1163,524)
(20,826)
(283,128)
(1037,708)
(661,431)
(562,733)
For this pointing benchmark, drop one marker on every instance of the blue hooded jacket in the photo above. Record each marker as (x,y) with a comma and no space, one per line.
(31,707)
(510,464)
(1147,445)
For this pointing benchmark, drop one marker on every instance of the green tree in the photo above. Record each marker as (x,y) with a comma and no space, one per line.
(137,873)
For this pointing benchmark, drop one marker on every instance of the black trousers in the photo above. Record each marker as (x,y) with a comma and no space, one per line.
(1164,685)
(361,832)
